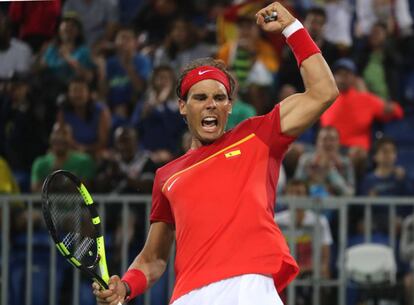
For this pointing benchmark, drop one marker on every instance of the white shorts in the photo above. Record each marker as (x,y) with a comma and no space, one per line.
(247,289)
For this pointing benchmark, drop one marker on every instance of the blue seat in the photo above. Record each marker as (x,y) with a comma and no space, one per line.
(401,131)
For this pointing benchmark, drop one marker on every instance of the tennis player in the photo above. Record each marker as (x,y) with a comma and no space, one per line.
(217,200)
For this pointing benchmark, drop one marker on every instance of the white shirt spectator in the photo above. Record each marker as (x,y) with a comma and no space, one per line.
(284,218)
(16,59)
(338,23)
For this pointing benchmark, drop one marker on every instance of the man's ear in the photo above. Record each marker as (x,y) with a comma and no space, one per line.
(230,107)
(182,105)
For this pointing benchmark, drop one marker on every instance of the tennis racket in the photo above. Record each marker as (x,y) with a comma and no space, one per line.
(74,224)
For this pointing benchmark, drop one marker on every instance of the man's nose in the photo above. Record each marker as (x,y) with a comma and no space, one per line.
(211,103)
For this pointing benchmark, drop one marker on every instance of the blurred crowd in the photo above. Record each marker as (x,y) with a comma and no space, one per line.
(89,86)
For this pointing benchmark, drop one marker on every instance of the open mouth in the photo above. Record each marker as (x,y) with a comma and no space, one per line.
(209,123)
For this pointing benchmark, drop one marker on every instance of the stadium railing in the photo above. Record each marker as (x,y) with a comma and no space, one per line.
(27,247)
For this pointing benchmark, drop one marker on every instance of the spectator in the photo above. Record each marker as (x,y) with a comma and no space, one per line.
(387,179)
(61,156)
(15,55)
(394,13)
(89,119)
(126,74)
(306,222)
(158,120)
(326,168)
(315,21)
(379,63)
(253,61)
(67,56)
(36,21)
(181,46)
(240,112)
(154,20)
(20,143)
(99,18)
(360,108)
(338,23)
(8,184)
(128,169)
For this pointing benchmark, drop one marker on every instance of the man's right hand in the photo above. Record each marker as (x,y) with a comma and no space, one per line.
(114,295)
(284,18)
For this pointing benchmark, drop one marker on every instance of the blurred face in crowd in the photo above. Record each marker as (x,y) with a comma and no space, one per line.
(296,189)
(163,78)
(315,23)
(344,79)
(126,41)
(386,155)
(78,93)
(68,30)
(377,36)
(60,139)
(328,140)
(126,142)
(165,7)
(206,109)
(248,30)
(180,32)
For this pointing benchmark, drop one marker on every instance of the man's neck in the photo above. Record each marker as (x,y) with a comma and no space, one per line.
(384,171)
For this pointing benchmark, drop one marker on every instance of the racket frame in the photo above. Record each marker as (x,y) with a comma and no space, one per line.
(102,279)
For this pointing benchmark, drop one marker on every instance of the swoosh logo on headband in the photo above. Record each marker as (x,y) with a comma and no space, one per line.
(202,72)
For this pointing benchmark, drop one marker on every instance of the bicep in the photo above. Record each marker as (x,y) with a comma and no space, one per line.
(298,112)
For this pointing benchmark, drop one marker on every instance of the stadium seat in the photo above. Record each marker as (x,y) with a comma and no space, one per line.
(372,270)
(401,131)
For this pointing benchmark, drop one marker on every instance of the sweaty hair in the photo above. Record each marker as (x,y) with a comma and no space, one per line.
(207,61)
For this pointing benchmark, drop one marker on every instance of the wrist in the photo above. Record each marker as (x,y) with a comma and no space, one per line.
(292,28)
(135,282)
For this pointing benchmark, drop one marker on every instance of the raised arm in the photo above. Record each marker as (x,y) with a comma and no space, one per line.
(146,268)
(299,111)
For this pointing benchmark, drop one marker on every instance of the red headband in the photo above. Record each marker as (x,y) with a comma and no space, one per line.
(201,73)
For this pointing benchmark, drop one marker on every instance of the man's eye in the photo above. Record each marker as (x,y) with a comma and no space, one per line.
(220,98)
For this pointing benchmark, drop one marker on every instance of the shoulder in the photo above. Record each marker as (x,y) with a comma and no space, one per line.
(42,161)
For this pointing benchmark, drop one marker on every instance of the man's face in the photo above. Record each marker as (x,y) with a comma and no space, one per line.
(60,141)
(126,145)
(314,24)
(206,110)
(126,41)
(296,190)
(328,140)
(386,155)
(78,93)
(344,79)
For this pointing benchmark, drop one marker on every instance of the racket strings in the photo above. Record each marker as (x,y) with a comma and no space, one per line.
(72,220)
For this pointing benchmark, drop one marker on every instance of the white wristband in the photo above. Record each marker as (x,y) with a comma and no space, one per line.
(292,28)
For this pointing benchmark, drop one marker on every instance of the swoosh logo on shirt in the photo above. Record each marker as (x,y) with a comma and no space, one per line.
(172,183)
(202,72)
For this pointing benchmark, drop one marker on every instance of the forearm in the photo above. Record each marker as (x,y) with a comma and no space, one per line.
(339,184)
(153,268)
(300,111)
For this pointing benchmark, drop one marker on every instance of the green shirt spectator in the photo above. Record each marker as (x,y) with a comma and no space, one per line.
(80,164)
(240,112)
(61,156)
